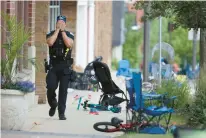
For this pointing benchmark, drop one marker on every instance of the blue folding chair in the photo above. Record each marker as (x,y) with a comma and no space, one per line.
(124,68)
(151,113)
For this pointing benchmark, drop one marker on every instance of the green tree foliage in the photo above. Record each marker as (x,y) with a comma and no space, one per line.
(133,41)
(183,47)
(154,37)
(179,41)
(187,14)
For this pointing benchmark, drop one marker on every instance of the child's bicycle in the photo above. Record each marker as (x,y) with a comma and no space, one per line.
(116,124)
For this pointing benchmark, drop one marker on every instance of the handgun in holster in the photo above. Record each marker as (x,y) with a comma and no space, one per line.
(46,65)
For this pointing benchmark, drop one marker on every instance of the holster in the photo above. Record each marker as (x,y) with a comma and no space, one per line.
(46,66)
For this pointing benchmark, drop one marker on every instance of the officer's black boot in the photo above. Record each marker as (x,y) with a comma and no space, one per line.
(53,104)
(62,117)
(52,111)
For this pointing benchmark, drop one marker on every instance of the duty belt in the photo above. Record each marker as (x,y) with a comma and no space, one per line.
(66,61)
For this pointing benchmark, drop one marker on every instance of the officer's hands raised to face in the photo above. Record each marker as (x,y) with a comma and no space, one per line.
(58,25)
(62,27)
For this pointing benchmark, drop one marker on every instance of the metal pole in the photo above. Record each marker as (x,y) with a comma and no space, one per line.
(146,47)
(194,49)
(160,48)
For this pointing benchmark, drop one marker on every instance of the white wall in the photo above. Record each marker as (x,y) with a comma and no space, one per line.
(117,52)
(85,33)
(91,30)
(81,34)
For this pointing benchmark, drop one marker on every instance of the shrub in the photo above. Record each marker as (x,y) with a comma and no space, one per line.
(173,88)
(197,114)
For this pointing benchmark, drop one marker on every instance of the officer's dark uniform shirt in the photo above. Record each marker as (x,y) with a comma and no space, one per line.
(59,50)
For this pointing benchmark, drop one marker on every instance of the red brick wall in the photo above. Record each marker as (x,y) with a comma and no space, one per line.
(3,33)
(8,7)
(41,29)
(103,30)
(26,23)
(31,21)
(11,7)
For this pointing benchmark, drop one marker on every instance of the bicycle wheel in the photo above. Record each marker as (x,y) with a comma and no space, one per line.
(103,127)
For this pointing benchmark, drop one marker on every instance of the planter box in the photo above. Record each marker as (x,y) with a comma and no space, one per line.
(14,109)
(30,99)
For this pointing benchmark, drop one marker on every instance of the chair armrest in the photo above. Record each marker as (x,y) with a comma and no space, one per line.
(170,100)
(173,97)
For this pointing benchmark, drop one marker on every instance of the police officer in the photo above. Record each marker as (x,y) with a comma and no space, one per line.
(60,44)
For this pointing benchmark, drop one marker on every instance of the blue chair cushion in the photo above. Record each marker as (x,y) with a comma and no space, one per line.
(158,111)
(150,96)
(150,107)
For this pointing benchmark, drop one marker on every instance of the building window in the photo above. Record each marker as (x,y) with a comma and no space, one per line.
(55,10)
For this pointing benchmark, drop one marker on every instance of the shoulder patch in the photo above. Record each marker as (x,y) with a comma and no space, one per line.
(71,33)
(49,34)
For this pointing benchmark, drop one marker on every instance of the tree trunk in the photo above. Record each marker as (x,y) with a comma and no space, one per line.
(202,47)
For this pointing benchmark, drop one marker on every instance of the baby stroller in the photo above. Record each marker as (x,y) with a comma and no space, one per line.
(107,86)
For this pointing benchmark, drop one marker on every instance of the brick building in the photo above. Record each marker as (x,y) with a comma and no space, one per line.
(139,13)
(91,23)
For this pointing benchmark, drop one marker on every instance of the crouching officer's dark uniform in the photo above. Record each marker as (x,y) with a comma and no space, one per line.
(60,70)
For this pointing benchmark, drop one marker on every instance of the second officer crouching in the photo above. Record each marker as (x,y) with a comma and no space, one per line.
(60,44)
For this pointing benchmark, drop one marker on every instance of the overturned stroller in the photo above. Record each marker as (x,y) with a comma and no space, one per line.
(102,77)
(141,114)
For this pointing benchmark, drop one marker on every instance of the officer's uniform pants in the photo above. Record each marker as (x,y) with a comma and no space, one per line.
(59,74)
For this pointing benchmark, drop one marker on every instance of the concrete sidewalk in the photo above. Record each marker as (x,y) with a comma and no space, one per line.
(25,134)
(79,123)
